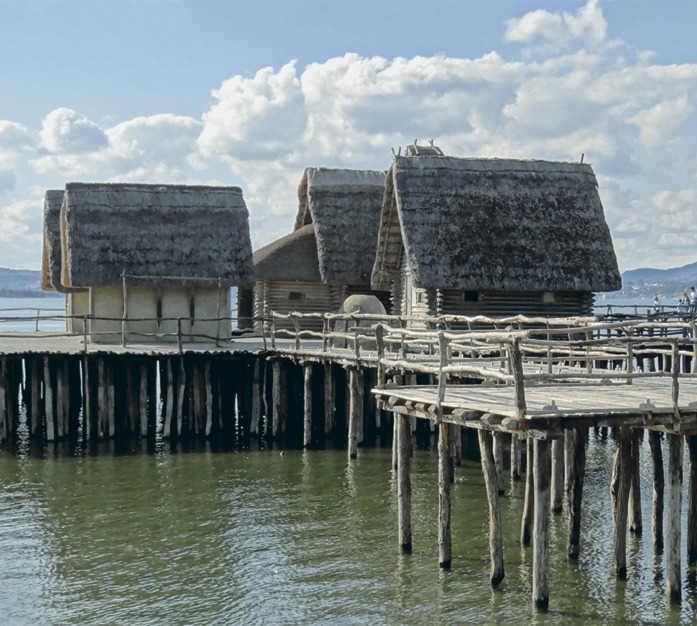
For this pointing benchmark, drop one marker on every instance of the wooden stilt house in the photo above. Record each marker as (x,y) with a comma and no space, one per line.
(76,300)
(494,237)
(157,260)
(331,251)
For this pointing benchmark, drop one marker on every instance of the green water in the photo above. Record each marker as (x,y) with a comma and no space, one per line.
(294,538)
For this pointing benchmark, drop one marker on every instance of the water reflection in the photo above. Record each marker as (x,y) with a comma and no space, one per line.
(200,537)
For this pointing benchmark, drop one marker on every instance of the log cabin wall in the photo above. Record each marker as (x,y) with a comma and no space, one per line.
(509,303)
(283,296)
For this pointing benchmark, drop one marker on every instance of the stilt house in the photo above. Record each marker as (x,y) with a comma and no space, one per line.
(76,300)
(156,259)
(494,237)
(331,251)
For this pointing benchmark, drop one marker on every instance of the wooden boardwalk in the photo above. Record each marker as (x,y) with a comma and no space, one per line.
(533,383)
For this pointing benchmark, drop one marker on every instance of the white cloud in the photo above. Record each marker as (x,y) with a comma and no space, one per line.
(155,148)
(65,131)
(587,24)
(255,117)
(15,137)
(661,122)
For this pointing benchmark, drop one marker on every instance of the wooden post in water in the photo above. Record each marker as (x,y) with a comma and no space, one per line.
(674,509)
(329,398)
(307,404)
(143,399)
(635,522)
(491,482)
(529,503)
(35,395)
(658,489)
(498,460)
(101,397)
(256,397)
(557,487)
(577,460)
(516,457)
(540,563)
(621,481)
(444,491)
(48,402)
(569,452)
(403,436)
(279,398)
(692,502)
(355,409)
(208,391)
(169,399)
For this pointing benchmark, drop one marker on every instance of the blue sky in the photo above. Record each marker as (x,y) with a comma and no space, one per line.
(250,92)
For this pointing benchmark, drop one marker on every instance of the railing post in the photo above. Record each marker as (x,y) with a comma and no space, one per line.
(325,329)
(297,331)
(273,330)
(442,376)
(674,372)
(179,335)
(380,344)
(519,380)
(125,308)
(217,323)
(84,333)
(38,316)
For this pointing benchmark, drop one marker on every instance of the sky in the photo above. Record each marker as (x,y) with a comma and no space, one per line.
(249,93)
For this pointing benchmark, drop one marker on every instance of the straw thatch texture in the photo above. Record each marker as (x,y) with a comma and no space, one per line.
(344,206)
(164,235)
(496,224)
(293,257)
(52,263)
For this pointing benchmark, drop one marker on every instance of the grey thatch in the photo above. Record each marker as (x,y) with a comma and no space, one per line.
(293,257)
(344,206)
(52,262)
(496,224)
(164,235)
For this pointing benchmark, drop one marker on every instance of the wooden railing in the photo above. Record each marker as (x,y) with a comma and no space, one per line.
(584,353)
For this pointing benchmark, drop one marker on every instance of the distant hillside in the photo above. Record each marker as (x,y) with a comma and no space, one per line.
(22,284)
(644,283)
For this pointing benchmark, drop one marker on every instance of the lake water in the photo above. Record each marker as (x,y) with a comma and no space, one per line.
(298,538)
(304,537)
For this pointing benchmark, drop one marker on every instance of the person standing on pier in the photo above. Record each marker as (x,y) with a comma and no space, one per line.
(693,301)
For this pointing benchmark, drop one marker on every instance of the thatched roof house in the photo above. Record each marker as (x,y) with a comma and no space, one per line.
(493,236)
(344,207)
(331,251)
(156,252)
(76,301)
(52,262)
(156,234)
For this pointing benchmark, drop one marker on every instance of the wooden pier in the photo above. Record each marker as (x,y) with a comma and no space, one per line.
(529,384)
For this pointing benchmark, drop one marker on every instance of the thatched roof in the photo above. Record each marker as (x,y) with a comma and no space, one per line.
(495,224)
(344,206)
(52,262)
(293,257)
(163,234)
